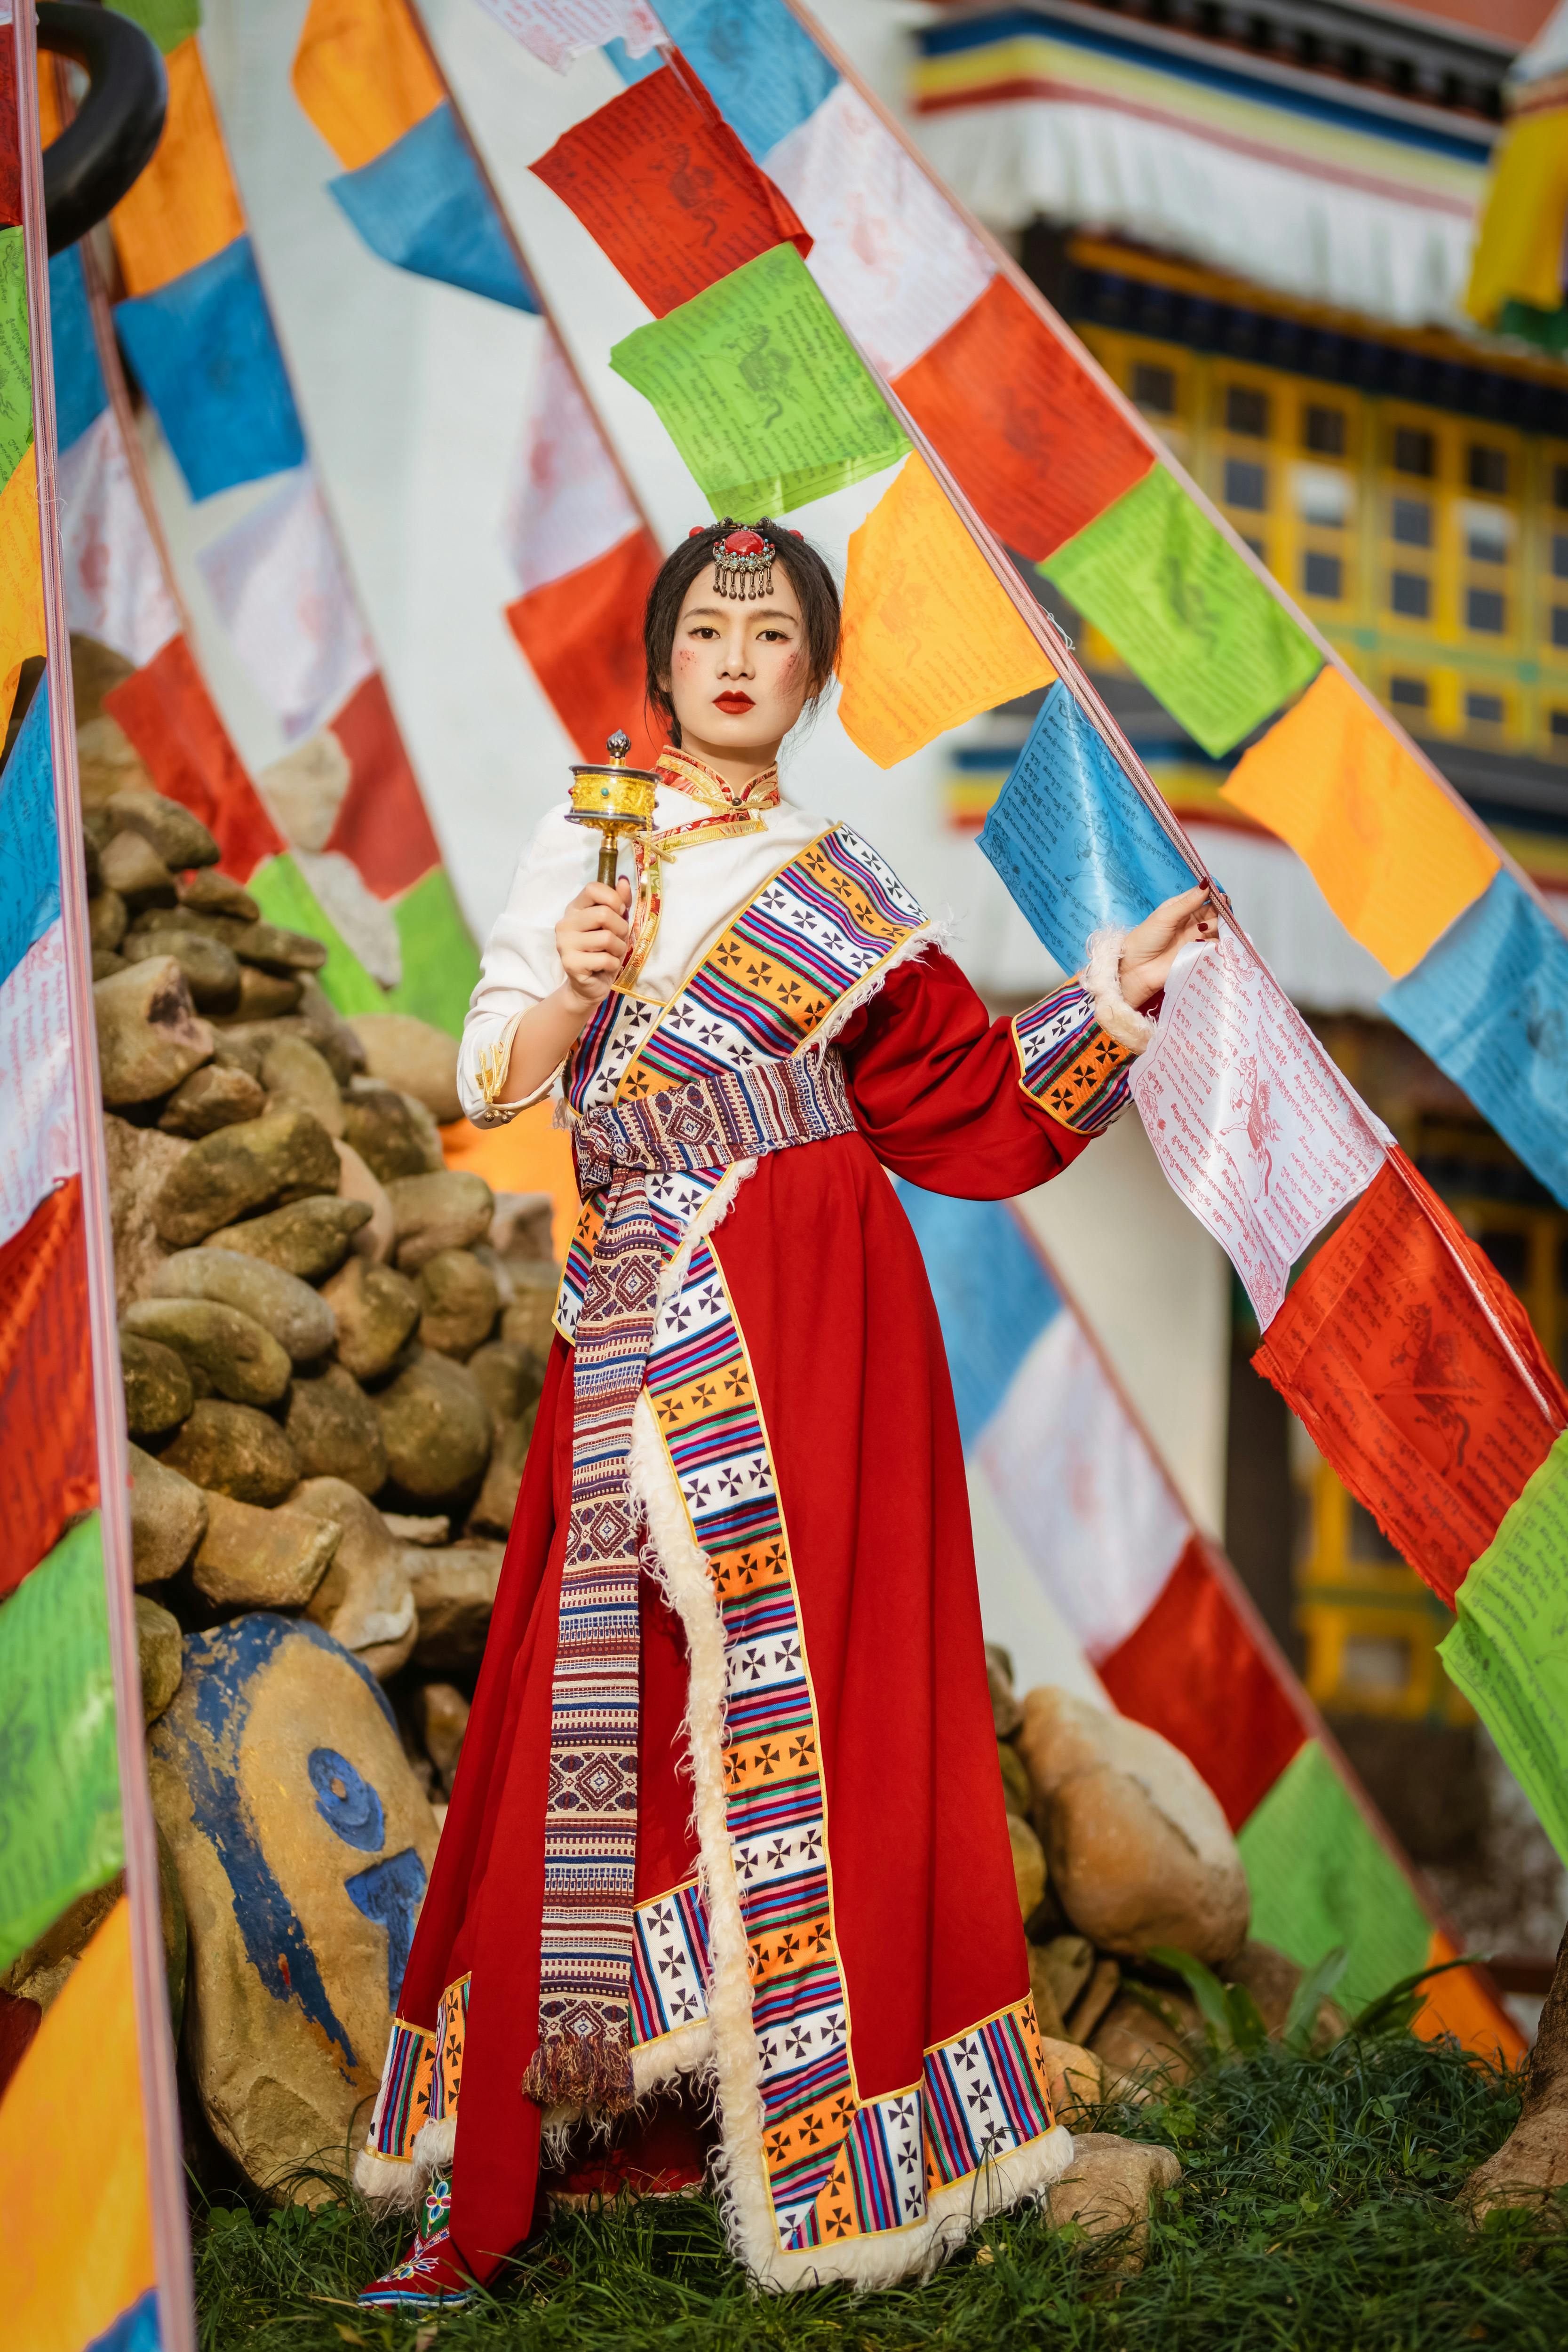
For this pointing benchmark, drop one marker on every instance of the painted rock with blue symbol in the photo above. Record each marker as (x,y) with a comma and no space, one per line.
(304,1843)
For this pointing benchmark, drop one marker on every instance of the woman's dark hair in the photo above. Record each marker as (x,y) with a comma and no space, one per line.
(815,590)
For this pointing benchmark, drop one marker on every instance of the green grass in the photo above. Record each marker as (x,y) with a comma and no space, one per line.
(1313,2215)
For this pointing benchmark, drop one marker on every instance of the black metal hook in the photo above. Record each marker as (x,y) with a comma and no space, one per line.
(99,155)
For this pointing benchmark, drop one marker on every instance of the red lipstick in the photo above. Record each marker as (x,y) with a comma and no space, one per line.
(733,703)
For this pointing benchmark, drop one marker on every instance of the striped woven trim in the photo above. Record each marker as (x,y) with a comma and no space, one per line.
(1069,1064)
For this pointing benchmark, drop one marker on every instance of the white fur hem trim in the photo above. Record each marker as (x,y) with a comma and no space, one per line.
(386,2182)
(685,1578)
(713,1212)
(930,934)
(1102,978)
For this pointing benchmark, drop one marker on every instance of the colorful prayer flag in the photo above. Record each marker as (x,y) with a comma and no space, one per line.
(363,76)
(1077,846)
(1509,1654)
(116,583)
(16,375)
(424,207)
(206,355)
(559,31)
(48,1462)
(1185,612)
(1488,1003)
(184,208)
(21,587)
(1393,856)
(173,724)
(581,637)
(1415,1373)
(1037,447)
(382,826)
(29,838)
(59,1800)
(888,251)
(39,1147)
(757,386)
(1251,1124)
(666,189)
(278,582)
(763,69)
(930,635)
(81,393)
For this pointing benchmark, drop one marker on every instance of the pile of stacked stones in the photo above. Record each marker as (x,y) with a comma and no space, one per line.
(1120,1849)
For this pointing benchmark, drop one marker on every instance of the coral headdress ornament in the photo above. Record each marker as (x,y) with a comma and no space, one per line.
(743,560)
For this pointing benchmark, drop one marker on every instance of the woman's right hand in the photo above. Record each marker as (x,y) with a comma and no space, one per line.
(591,938)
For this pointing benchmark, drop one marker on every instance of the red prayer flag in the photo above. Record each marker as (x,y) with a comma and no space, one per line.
(1387,1355)
(1035,445)
(49,1463)
(581,637)
(10,142)
(167,712)
(383,826)
(661,183)
(1192,1671)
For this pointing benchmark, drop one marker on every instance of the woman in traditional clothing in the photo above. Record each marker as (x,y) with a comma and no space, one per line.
(728,1806)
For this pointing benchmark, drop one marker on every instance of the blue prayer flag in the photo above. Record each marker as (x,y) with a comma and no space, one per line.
(1490,1004)
(1072,840)
(764,72)
(206,352)
(422,206)
(29,838)
(992,1296)
(80,395)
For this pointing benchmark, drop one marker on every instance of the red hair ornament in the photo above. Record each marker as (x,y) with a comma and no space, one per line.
(743,560)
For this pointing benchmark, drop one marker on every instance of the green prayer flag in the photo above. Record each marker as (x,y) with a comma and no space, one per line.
(169,22)
(1183,611)
(440,963)
(1508,1650)
(1322,1877)
(758,386)
(60,1829)
(15,357)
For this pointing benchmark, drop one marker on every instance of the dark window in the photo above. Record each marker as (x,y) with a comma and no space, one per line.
(1510,1253)
(1560,485)
(1560,624)
(1325,431)
(1484,610)
(1415,451)
(1484,710)
(1488,469)
(1410,592)
(1409,693)
(1560,729)
(1246,485)
(1487,542)
(1413,522)
(1366,1538)
(1559,554)
(1246,411)
(1257,547)
(1322,575)
(1154,387)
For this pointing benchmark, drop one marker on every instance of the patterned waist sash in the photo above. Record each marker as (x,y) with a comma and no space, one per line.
(591,1819)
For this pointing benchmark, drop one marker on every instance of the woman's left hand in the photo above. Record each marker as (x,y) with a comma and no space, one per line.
(1148,952)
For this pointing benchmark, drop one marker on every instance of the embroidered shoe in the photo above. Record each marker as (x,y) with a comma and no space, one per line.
(428,2277)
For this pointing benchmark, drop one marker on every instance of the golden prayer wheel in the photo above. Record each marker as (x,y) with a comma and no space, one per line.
(613,798)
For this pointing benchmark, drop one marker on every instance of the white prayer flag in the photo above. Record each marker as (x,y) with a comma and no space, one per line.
(889,253)
(1080,1491)
(567,502)
(278,584)
(559,31)
(1255,1130)
(115,586)
(37,1134)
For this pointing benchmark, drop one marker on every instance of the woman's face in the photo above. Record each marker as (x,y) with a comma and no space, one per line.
(738,673)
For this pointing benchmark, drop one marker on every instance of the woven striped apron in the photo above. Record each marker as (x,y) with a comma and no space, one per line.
(584,2057)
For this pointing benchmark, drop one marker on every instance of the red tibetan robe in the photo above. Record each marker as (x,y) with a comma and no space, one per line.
(827,1925)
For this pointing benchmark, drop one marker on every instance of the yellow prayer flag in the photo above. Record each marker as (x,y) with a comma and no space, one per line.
(363,76)
(1392,855)
(73,2158)
(930,635)
(21,577)
(1518,248)
(184,207)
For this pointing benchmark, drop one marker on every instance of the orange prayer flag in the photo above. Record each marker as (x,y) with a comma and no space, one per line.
(1458,2003)
(1387,1355)
(581,635)
(1392,855)
(1032,439)
(73,2158)
(930,635)
(664,186)
(184,207)
(363,76)
(21,578)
